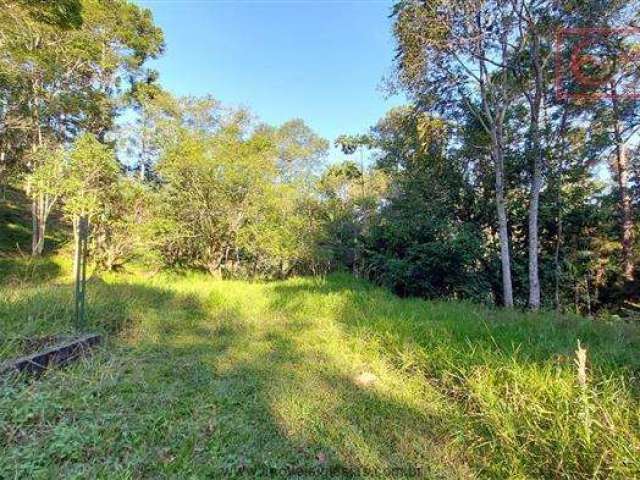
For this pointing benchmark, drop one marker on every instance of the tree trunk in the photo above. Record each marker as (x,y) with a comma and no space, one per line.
(503,230)
(559,205)
(35,231)
(37,241)
(556,256)
(536,177)
(3,175)
(626,220)
(626,224)
(493,121)
(143,171)
(76,241)
(42,224)
(588,292)
(40,208)
(534,278)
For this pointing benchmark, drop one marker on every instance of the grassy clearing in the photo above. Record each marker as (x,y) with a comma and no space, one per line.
(311,378)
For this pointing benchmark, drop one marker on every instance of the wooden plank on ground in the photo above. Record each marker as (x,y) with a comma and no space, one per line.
(57,355)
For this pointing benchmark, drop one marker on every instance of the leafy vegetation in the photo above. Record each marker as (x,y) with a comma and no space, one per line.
(488,185)
(525,150)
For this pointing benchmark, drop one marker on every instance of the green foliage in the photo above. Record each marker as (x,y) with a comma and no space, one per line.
(15,224)
(64,65)
(120,231)
(280,239)
(91,174)
(211,184)
(234,197)
(301,151)
(48,173)
(351,199)
(422,242)
(323,377)
(350,143)
(488,69)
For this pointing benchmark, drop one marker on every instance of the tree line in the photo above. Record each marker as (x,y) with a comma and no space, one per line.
(520,157)
(489,185)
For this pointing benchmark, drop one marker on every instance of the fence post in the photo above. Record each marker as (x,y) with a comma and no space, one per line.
(81,271)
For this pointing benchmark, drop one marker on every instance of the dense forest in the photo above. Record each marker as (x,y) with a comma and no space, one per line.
(488,185)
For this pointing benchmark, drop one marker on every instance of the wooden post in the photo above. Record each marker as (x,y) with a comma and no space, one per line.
(81,271)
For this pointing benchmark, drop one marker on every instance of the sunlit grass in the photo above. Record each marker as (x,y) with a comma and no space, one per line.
(313,377)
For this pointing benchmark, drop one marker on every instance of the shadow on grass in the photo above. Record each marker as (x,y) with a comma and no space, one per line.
(223,402)
(202,393)
(23,271)
(29,311)
(200,389)
(512,375)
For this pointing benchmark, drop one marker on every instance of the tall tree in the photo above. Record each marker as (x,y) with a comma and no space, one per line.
(456,55)
(608,85)
(537,21)
(68,64)
(143,139)
(44,185)
(301,152)
(625,123)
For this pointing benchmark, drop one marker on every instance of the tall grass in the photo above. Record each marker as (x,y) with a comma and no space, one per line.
(315,377)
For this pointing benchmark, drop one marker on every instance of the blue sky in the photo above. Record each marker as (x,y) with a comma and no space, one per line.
(319,60)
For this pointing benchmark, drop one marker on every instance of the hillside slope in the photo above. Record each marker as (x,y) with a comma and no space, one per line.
(15,224)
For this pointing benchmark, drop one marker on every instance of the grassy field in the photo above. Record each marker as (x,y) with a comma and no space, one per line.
(328,378)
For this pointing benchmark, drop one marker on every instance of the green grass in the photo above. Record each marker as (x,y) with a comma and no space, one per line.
(310,378)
